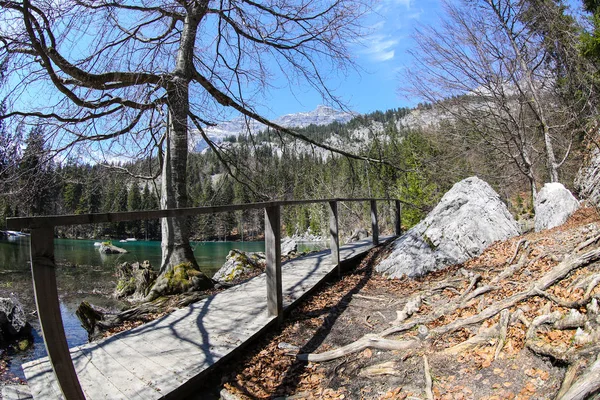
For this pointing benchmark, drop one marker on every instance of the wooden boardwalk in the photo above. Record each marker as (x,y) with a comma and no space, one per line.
(156,359)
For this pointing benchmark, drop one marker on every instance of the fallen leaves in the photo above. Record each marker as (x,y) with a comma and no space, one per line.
(333,317)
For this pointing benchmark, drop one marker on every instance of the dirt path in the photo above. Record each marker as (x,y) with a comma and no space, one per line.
(520,353)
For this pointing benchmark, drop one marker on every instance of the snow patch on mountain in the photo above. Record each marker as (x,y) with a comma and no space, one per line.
(322,115)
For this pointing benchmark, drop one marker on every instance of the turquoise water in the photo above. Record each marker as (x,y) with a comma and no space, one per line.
(83,274)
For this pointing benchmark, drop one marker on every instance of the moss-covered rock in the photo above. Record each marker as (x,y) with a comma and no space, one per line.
(239,263)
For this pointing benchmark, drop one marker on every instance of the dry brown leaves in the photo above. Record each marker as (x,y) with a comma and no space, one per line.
(270,372)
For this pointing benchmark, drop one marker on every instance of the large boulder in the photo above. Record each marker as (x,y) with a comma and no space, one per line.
(468,219)
(289,247)
(554,204)
(239,263)
(13,323)
(107,248)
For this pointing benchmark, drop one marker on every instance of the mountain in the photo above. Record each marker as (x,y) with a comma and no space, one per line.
(322,115)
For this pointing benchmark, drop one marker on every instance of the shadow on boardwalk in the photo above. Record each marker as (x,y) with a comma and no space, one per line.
(166,358)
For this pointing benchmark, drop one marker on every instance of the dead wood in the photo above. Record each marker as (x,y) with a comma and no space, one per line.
(473,282)
(587,384)
(371,341)
(569,378)
(386,368)
(360,296)
(477,340)
(503,330)
(587,243)
(428,382)
(96,322)
(478,292)
(448,284)
(411,307)
(519,243)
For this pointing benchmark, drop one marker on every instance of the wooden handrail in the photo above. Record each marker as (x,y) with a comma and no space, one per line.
(44,275)
(50,221)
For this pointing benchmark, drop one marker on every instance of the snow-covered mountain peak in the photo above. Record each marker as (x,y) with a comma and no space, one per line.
(322,115)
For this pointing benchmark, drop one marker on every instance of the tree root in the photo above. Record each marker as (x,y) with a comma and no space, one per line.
(428,381)
(587,384)
(411,307)
(371,341)
(560,271)
(96,322)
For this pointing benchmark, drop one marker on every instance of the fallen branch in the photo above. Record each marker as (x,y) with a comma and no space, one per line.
(428,382)
(371,341)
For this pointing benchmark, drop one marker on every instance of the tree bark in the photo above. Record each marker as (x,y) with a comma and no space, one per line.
(175,244)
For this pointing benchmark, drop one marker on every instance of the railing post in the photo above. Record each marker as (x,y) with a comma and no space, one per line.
(273,254)
(334,240)
(398,219)
(374,224)
(46,298)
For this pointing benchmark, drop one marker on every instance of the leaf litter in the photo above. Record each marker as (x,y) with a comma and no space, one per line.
(527,359)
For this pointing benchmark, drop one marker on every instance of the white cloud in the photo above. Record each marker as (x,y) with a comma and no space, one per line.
(405,3)
(380,47)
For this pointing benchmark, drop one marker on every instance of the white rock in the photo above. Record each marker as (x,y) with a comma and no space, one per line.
(553,206)
(288,246)
(468,219)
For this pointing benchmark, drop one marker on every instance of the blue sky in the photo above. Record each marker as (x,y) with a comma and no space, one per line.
(380,58)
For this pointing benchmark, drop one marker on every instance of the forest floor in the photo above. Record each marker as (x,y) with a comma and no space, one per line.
(518,322)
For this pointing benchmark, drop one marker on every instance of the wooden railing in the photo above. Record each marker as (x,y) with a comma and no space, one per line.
(44,276)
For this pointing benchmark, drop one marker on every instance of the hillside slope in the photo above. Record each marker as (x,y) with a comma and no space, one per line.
(473,348)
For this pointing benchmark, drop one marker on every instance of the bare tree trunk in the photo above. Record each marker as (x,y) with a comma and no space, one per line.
(175,244)
(177,254)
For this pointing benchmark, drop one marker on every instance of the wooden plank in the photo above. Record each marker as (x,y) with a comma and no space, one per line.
(102,367)
(398,217)
(16,392)
(46,298)
(94,383)
(144,368)
(273,255)
(374,222)
(41,379)
(334,240)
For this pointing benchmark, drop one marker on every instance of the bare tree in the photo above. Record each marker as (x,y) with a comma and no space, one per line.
(489,70)
(112,72)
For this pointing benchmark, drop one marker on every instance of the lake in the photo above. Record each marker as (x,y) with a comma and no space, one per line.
(83,274)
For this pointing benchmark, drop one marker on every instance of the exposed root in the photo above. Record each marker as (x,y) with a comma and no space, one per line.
(586,385)
(411,307)
(569,378)
(428,381)
(559,272)
(503,330)
(371,341)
